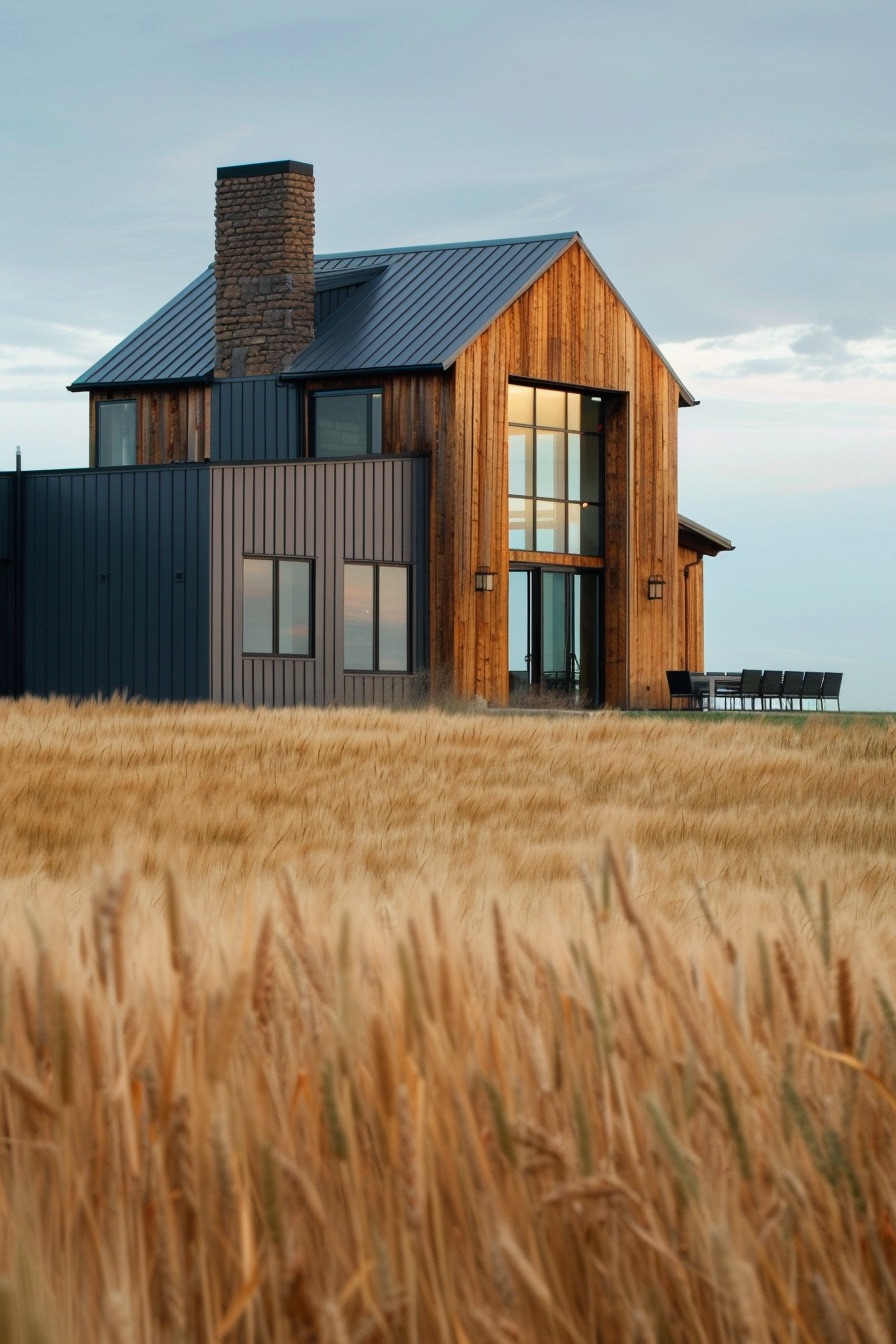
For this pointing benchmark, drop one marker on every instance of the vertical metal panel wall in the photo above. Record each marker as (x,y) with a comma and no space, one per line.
(7,531)
(255,420)
(116,582)
(375,510)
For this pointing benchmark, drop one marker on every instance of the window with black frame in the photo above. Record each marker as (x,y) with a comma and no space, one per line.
(555,453)
(347,423)
(116,433)
(376,618)
(277,606)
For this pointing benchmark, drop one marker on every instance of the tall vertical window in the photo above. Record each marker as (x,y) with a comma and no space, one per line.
(347,424)
(277,604)
(376,618)
(555,457)
(116,433)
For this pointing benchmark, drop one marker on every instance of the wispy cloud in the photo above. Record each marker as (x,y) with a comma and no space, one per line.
(799,362)
(48,357)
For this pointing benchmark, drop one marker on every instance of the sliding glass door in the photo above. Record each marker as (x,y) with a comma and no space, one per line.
(554,634)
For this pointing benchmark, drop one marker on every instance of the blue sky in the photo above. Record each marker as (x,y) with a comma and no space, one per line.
(733,169)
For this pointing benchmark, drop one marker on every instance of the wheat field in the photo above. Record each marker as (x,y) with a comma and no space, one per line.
(410,1027)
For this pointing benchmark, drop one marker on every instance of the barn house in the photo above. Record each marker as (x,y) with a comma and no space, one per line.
(341,478)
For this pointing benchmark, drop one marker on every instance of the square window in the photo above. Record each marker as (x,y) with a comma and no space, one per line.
(277,606)
(520,404)
(347,424)
(550,408)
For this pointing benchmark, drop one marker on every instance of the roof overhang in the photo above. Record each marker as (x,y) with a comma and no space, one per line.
(693,537)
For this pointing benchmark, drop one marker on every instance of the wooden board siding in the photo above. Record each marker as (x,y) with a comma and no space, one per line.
(173,423)
(414,408)
(568,328)
(689,582)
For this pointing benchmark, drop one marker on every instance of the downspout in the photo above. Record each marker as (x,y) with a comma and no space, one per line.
(687,616)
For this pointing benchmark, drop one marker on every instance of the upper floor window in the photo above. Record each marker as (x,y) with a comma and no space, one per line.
(277,605)
(116,433)
(347,424)
(555,451)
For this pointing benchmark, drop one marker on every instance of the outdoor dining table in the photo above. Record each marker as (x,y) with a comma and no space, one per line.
(707,682)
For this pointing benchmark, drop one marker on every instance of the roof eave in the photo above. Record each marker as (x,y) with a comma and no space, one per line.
(695,537)
(201,380)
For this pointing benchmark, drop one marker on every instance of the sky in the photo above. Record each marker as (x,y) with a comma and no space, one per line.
(732,168)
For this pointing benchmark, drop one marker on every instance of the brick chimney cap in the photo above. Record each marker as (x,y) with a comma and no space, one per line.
(266,169)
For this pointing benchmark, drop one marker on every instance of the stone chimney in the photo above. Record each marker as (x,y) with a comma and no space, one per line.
(264,267)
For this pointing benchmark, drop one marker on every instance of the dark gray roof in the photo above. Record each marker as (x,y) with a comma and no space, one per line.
(381,310)
(177,344)
(426,304)
(696,537)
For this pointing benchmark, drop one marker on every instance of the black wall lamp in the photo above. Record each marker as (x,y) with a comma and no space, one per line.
(655,585)
(485,581)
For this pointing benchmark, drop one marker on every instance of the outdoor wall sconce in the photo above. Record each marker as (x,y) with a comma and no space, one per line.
(485,581)
(655,586)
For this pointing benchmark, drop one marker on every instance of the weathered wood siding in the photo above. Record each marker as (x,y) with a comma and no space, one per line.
(173,423)
(568,328)
(415,408)
(689,582)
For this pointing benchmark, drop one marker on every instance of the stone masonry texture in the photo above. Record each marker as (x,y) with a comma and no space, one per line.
(264,272)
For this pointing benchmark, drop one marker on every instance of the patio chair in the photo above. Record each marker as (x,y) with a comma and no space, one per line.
(791,688)
(681,687)
(812,682)
(727,694)
(750,686)
(771,688)
(830,688)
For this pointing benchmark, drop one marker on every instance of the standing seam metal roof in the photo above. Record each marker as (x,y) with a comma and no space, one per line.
(416,307)
(176,344)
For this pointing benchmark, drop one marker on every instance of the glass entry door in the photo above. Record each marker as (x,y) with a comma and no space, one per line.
(554,634)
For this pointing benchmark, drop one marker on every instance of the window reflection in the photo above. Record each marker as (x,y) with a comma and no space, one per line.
(555,465)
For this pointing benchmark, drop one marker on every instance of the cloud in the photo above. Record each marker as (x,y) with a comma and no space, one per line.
(798,362)
(47,357)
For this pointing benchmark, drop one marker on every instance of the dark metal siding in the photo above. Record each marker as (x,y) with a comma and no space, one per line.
(376,509)
(104,610)
(7,604)
(326,301)
(255,420)
(7,497)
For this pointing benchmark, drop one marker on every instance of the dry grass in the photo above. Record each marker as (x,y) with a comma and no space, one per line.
(537,1105)
(383,807)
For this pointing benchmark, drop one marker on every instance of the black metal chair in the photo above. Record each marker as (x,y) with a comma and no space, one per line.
(771,688)
(812,683)
(681,687)
(830,688)
(750,686)
(791,688)
(727,694)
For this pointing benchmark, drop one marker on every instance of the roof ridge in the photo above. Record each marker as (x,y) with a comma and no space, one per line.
(448,247)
